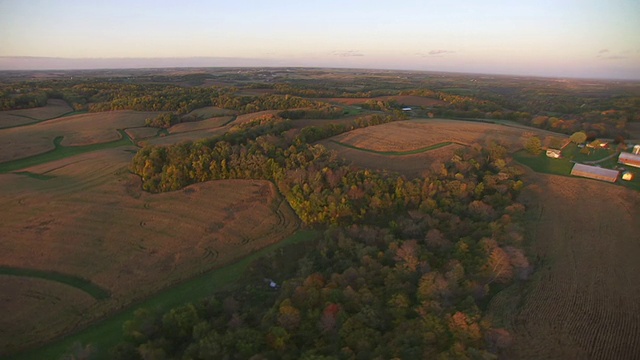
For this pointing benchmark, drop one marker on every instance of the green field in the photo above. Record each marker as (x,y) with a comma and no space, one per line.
(107,333)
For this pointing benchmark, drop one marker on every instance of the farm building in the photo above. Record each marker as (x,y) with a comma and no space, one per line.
(629,159)
(554,153)
(628,176)
(594,172)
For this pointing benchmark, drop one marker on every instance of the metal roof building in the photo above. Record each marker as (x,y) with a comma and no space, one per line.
(594,172)
(629,159)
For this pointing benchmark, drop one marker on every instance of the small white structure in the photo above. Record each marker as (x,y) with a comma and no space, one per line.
(554,153)
(628,176)
(636,150)
(406,109)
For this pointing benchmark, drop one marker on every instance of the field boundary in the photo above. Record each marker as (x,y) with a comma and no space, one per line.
(401,153)
(61,152)
(106,332)
(96,291)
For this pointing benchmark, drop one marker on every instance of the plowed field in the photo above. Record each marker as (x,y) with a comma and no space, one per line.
(583,302)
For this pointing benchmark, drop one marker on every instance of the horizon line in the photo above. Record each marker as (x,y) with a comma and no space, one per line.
(262,63)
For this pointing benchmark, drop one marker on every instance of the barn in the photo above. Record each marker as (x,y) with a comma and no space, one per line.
(594,172)
(629,159)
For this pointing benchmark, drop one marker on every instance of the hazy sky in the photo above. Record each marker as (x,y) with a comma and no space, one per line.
(573,38)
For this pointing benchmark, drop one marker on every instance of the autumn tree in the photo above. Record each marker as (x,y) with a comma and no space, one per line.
(533,145)
(578,137)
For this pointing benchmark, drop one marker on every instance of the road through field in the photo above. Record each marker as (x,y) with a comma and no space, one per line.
(583,302)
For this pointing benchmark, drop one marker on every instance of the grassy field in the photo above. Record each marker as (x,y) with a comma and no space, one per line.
(107,333)
(543,164)
(54,108)
(583,301)
(90,220)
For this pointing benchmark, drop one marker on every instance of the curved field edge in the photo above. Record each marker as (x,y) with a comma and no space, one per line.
(400,153)
(79,283)
(61,152)
(107,333)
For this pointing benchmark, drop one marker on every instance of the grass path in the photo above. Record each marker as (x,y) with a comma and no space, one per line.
(61,152)
(400,153)
(107,333)
(85,285)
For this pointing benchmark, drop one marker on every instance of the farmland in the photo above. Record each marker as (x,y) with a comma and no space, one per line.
(584,300)
(90,208)
(53,109)
(431,241)
(77,130)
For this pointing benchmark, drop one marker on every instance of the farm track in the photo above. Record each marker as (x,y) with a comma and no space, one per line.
(583,302)
(401,153)
(85,285)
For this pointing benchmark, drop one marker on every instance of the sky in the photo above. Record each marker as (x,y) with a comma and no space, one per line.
(555,38)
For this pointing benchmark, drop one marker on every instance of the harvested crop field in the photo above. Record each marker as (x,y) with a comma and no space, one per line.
(411,166)
(142,132)
(209,112)
(583,301)
(86,216)
(54,108)
(212,123)
(187,136)
(77,130)
(30,298)
(402,136)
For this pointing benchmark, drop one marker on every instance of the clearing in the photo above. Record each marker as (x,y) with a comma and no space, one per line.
(583,301)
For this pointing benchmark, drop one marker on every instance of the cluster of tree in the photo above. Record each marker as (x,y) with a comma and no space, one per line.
(32,99)
(405,272)
(163,121)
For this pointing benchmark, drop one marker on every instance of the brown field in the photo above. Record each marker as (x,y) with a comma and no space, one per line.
(583,301)
(84,129)
(92,220)
(209,112)
(141,132)
(58,307)
(211,123)
(411,166)
(54,108)
(186,136)
(416,134)
(403,136)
